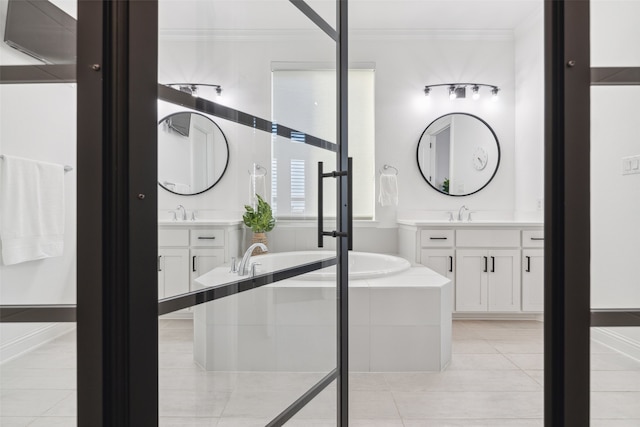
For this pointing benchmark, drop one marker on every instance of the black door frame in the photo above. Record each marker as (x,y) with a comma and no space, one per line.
(568,313)
(117,226)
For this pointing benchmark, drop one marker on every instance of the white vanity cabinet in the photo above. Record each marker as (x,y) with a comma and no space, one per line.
(438,254)
(488,280)
(496,268)
(532,271)
(187,250)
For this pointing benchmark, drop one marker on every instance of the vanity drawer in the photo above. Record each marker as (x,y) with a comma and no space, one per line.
(173,238)
(436,238)
(488,238)
(207,238)
(533,238)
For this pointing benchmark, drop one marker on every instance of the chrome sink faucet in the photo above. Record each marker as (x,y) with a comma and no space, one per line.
(243,269)
(461,212)
(184,212)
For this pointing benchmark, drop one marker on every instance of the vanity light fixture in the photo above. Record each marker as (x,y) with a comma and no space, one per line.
(459,90)
(192,88)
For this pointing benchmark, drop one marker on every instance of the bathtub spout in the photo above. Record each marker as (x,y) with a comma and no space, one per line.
(243,269)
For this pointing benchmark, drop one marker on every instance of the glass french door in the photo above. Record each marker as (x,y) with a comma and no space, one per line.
(592,308)
(248,331)
(158,311)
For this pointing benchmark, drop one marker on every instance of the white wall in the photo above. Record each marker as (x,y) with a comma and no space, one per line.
(615,199)
(529,109)
(403,66)
(38,122)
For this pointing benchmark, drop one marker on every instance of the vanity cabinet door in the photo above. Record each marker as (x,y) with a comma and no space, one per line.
(203,261)
(504,280)
(471,280)
(533,280)
(442,261)
(173,272)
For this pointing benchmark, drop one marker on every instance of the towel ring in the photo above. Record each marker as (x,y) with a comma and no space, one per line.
(385,167)
(258,167)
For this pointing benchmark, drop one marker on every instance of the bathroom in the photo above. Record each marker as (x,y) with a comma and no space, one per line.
(492,43)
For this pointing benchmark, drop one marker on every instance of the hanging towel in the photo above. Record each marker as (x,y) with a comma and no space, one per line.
(257,185)
(388,190)
(31,210)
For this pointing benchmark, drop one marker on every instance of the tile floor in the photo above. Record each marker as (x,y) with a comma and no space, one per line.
(495,379)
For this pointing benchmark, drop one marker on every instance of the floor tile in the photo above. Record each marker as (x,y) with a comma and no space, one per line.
(472,346)
(475,423)
(613,362)
(615,381)
(480,361)
(54,422)
(527,361)
(615,405)
(16,421)
(187,422)
(482,380)
(26,402)
(478,405)
(189,403)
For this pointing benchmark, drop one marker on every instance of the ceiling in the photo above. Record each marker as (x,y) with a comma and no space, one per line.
(188,15)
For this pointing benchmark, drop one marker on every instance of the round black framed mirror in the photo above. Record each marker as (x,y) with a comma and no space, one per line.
(458,154)
(193,153)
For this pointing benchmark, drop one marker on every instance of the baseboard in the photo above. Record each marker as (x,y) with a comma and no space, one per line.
(616,341)
(498,316)
(33,340)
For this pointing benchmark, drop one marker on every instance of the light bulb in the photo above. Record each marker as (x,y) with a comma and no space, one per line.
(452,93)
(475,93)
(494,94)
(427,91)
(219,90)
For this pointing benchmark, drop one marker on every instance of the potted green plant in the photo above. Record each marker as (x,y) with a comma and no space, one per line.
(260,220)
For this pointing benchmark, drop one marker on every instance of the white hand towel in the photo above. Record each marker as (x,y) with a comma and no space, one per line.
(257,185)
(31,210)
(388,190)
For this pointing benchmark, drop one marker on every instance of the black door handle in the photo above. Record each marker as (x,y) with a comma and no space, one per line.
(437,238)
(537,238)
(528,270)
(485,264)
(206,238)
(493,265)
(159,265)
(335,174)
(193,263)
(450,264)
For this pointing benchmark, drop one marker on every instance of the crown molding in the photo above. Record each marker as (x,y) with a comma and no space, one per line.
(281,35)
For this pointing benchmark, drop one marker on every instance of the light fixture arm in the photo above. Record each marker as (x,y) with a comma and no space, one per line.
(192,88)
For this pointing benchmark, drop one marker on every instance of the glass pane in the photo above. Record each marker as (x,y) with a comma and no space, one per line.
(614,32)
(615,140)
(247,356)
(38,203)
(38,385)
(615,376)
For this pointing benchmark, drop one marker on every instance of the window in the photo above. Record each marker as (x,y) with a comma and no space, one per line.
(305,100)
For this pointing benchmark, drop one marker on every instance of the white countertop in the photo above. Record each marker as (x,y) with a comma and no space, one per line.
(190,223)
(474,223)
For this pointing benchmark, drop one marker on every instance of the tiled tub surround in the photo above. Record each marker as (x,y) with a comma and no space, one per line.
(399,322)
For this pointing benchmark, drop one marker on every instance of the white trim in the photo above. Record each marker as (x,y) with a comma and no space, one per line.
(244,35)
(497,316)
(33,340)
(617,342)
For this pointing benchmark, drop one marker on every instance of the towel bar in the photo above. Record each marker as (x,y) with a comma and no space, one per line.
(67,168)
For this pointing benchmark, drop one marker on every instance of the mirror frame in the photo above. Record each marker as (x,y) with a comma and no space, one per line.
(497,144)
(226,165)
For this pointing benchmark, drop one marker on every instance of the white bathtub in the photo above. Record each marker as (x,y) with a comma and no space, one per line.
(362,265)
(399,318)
